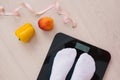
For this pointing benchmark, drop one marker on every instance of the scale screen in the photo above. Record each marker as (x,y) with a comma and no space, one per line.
(82,47)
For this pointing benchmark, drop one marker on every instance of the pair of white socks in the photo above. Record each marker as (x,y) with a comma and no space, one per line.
(63,62)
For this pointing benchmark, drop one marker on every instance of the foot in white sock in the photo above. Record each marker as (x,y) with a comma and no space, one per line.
(84,68)
(62,64)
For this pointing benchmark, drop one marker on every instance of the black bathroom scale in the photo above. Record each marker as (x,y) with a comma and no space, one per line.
(101,57)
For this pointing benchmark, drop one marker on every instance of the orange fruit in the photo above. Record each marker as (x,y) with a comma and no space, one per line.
(46,23)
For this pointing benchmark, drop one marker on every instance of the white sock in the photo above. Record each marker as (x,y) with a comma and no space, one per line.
(84,68)
(62,64)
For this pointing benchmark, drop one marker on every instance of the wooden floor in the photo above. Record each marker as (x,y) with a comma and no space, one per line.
(98,23)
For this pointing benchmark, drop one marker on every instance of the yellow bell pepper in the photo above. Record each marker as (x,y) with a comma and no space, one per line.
(25,32)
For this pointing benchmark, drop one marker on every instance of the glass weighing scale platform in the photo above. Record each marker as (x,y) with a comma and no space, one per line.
(101,57)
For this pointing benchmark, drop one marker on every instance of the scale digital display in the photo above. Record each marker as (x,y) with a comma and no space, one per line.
(82,47)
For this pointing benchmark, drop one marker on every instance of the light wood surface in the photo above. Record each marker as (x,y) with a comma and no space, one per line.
(98,24)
